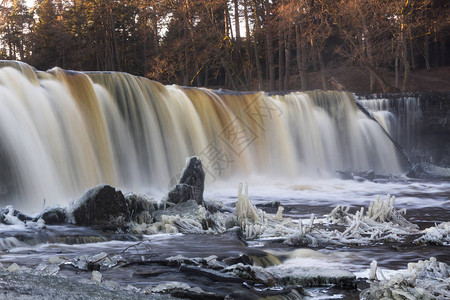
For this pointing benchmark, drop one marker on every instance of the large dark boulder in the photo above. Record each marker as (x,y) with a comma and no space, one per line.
(103,206)
(191,184)
(53,216)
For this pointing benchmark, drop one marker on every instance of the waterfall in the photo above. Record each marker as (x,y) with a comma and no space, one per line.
(62,132)
(400,118)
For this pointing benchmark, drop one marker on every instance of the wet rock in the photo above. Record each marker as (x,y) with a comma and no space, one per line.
(186,209)
(211,274)
(53,216)
(216,206)
(141,208)
(181,290)
(243,259)
(271,207)
(357,176)
(102,205)
(191,184)
(273,204)
(253,274)
(429,171)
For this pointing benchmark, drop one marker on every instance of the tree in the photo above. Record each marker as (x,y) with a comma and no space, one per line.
(16,23)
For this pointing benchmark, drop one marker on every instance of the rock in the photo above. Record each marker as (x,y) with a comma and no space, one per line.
(211,274)
(357,176)
(10,216)
(38,224)
(13,268)
(141,208)
(56,260)
(429,171)
(53,216)
(191,184)
(188,209)
(97,276)
(102,205)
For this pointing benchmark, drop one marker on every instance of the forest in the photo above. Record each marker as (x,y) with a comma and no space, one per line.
(271,45)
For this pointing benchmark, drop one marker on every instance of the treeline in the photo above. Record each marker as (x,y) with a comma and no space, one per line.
(239,44)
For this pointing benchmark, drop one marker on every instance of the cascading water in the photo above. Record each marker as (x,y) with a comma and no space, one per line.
(63,132)
(398,116)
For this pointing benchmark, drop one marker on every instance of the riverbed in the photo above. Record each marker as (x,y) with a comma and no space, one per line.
(426,202)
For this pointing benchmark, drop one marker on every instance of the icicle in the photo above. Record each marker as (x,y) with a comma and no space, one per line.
(279,214)
(373,270)
(311,221)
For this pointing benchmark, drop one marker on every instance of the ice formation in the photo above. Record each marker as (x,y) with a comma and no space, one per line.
(380,222)
(437,235)
(427,279)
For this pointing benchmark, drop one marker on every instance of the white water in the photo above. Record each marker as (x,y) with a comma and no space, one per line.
(399,117)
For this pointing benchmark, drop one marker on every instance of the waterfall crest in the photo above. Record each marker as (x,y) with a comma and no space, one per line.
(62,132)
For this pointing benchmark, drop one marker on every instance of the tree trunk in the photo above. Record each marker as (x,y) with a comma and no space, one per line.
(301,56)
(368,48)
(270,62)
(396,72)
(288,57)
(237,29)
(426,52)
(256,36)
(322,70)
(247,32)
(229,74)
(406,65)
(443,52)
(281,59)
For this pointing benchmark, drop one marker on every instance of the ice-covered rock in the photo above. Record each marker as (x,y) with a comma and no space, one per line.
(437,235)
(53,215)
(97,262)
(96,276)
(56,260)
(10,216)
(14,268)
(38,224)
(102,205)
(312,276)
(427,279)
(191,184)
(44,269)
(141,208)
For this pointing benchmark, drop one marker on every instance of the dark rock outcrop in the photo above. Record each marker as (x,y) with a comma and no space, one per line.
(53,216)
(102,205)
(141,208)
(191,184)
(107,207)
